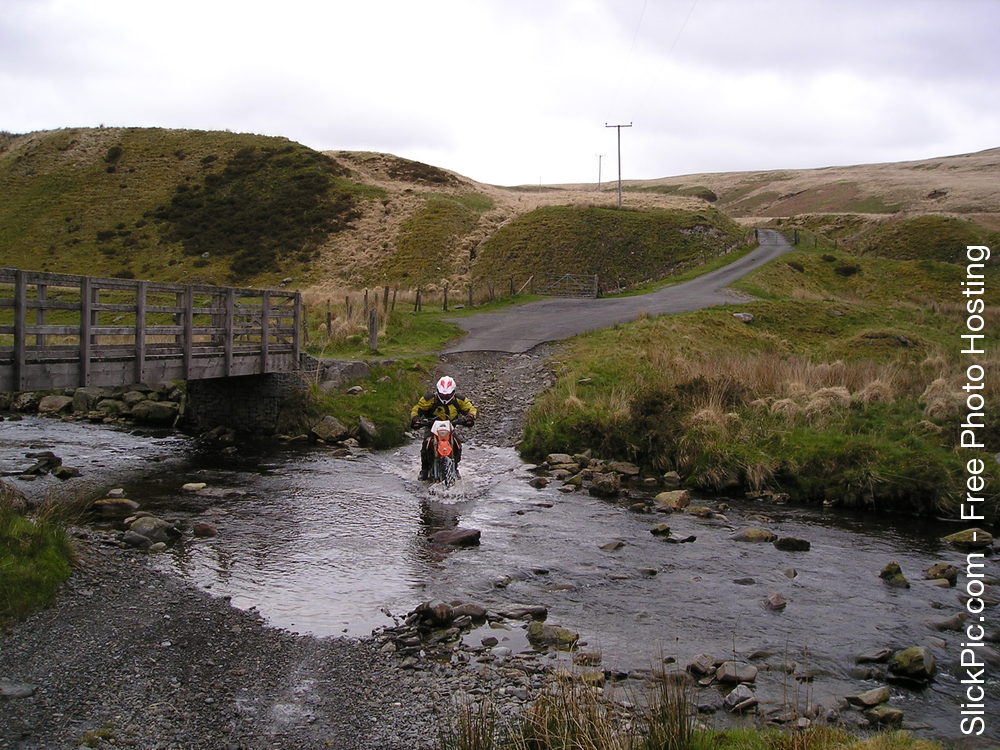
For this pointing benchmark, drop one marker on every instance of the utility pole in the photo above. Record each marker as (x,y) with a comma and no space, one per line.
(599,157)
(619,127)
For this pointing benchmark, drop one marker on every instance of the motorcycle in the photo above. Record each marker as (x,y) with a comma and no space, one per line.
(443,468)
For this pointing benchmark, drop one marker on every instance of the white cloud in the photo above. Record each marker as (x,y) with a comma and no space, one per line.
(517,91)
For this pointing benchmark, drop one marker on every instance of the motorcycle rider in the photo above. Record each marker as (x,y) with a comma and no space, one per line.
(444,402)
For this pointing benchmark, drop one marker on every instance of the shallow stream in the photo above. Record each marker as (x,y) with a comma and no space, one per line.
(329,545)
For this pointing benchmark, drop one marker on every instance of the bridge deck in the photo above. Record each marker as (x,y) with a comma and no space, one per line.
(63,331)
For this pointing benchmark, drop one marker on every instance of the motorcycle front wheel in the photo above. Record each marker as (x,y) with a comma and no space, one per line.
(444,470)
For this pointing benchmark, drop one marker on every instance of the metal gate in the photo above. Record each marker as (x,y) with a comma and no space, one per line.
(570,285)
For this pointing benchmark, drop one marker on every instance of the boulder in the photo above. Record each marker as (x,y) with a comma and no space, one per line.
(733,672)
(754,535)
(672,480)
(133,397)
(154,529)
(775,602)
(134,539)
(533,611)
(155,412)
(661,529)
(204,530)
(791,544)
(85,399)
(700,511)
(435,614)
(560,459)
(740,699)
(885,715)
(457,537)
(55,404)
(613,546)
(956,622)
(27,401)
(914,664)
(330,429)
(942,571)
(624,468)
(702,665)
(474,611)
(892,574)
(116,507)
(606,485)
(744,317)
(368,428)
(65,472)
(869,699)
(673,499)
(540,634)
(970,539)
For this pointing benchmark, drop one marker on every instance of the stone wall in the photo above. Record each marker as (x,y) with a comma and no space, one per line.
(268,404)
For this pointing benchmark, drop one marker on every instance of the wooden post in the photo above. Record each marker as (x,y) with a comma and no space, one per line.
(511,286)
(385,299)
(229,323)
(85,323)
(470,294)
(373,329)
(445,306)
(492,291)
(366,302)
(329,320)
(140,331)
(265,330)
(20,326)
(298,315)
(188,317)
(416,302)
(40,314)
(394,291)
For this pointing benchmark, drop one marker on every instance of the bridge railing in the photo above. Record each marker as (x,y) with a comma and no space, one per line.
(61,330)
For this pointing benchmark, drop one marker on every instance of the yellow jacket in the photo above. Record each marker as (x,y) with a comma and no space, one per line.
(430,407)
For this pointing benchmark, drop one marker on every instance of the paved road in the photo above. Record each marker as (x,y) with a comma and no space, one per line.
(521,328)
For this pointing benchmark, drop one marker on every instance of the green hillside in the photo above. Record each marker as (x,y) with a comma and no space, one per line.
(622,247)
(172,205)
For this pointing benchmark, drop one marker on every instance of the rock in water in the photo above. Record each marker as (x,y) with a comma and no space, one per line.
(457,537)
(914,664)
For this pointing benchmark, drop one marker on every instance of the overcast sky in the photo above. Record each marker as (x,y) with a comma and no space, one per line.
(520,91)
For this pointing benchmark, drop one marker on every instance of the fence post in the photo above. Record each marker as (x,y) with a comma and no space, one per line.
(329,320)
(347,304)
(140,332)
(492,292)
(20,329)
(445,306)
(373,329)
(416,302)
(395,289)
(470,294)
(511,286)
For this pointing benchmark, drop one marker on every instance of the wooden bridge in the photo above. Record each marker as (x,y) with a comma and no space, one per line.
(64,331)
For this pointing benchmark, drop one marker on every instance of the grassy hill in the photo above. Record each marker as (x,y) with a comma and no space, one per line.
(623,248)
(220,207)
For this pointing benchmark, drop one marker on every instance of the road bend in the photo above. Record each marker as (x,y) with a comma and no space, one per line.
(524,327)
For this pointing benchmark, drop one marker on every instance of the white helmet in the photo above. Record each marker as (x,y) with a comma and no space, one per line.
(446,389)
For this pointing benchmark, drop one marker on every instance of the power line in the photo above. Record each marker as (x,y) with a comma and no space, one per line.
(619,127)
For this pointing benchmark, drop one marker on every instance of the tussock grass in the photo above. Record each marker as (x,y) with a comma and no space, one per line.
(35,557)
(574,716)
